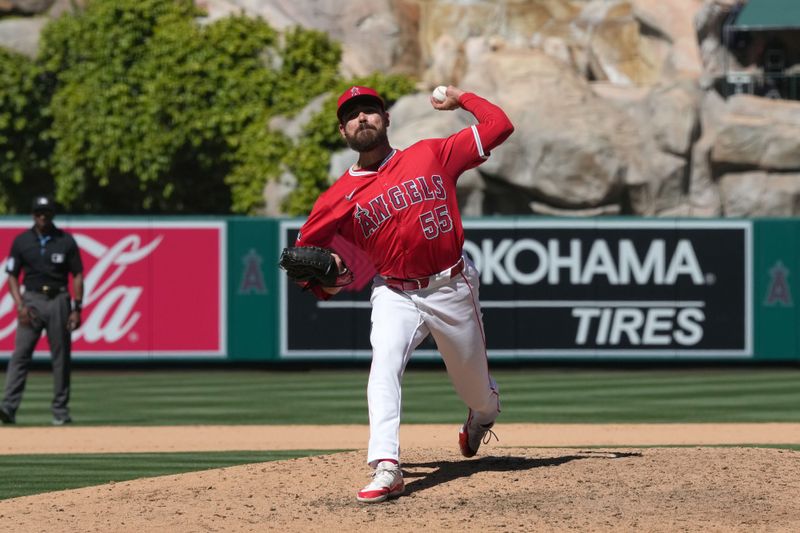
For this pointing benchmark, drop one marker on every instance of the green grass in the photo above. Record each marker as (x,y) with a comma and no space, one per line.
(334,397)
(33,474)
(339,397)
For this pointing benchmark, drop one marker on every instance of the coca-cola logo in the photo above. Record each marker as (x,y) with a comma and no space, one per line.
(141,293)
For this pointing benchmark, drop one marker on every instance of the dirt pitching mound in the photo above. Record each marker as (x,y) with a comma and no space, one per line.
(514,489)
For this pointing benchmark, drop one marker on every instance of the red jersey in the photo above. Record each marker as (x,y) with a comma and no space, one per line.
(405,215)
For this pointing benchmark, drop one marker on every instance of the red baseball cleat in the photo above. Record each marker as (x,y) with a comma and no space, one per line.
(387,481)
(471,436)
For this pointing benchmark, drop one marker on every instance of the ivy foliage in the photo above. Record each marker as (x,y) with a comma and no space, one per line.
(137,106)
(150,109)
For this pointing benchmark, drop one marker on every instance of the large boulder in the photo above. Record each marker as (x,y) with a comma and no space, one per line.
(758,133)
(376,36)
(760,193)
(709,21)
(704,195)
(21,35)
(599,39)
(570,149)
(673,22)
(672,112)
(579,147)
(445,27)
(618,51)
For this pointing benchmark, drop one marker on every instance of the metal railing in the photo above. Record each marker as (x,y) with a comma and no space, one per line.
(766,84)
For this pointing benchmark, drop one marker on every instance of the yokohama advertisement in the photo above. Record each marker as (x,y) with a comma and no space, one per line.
(150,289)
(572,289)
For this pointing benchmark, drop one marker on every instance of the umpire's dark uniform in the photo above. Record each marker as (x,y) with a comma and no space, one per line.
(46,256)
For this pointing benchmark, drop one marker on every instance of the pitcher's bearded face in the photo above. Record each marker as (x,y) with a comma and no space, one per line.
(366,138)
(364,127)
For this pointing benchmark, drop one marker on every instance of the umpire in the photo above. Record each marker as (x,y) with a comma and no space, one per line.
(46,255)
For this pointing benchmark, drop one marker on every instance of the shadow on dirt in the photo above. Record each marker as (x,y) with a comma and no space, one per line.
(446,471)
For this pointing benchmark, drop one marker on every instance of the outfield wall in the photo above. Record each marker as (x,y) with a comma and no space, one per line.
(190,289)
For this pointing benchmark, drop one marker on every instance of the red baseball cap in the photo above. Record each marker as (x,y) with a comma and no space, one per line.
(357,92)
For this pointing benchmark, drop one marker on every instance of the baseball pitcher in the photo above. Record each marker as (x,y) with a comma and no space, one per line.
(400,208)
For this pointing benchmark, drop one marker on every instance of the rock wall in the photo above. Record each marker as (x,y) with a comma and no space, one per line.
(613,100)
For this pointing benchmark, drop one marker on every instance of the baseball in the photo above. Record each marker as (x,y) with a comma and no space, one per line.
(440,93)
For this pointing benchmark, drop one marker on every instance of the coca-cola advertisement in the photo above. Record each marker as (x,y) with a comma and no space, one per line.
(151,289)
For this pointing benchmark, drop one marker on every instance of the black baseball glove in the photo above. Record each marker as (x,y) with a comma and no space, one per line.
(312,265)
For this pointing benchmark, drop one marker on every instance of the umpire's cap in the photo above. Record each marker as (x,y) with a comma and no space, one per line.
(356,93)
(43,203)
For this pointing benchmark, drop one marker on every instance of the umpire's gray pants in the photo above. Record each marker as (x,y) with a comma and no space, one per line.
(50,314)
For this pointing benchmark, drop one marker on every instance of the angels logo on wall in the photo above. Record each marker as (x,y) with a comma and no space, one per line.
(252,278)
(778,292)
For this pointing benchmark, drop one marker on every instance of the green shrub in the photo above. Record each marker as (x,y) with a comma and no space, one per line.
(153,112)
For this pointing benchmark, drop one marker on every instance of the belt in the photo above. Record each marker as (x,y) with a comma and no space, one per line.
(423,283)
(50,291)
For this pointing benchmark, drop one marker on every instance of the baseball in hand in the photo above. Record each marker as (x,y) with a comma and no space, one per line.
(440,93)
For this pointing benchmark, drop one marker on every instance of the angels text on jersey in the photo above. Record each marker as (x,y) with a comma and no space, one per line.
(397,198)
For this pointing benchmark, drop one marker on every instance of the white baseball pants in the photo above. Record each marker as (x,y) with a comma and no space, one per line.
(401,320)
